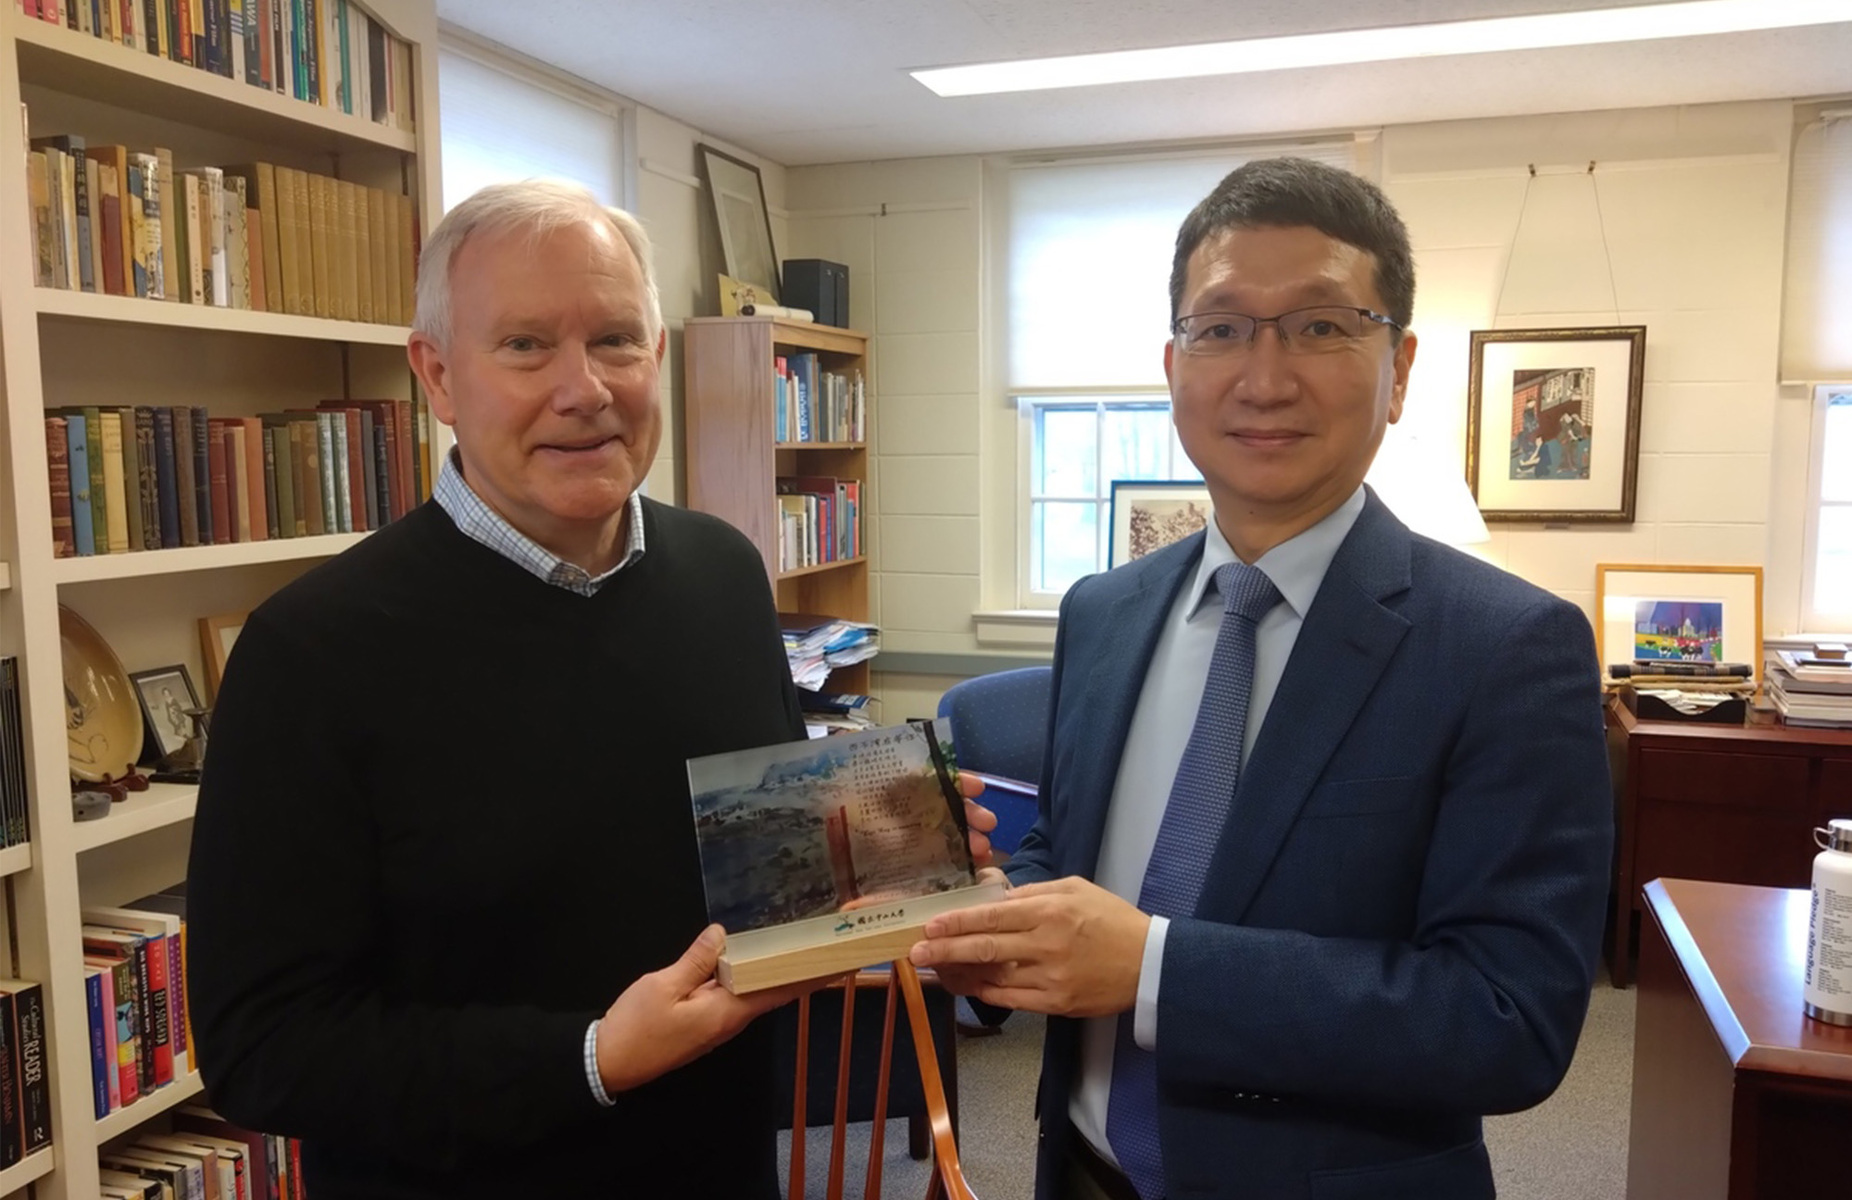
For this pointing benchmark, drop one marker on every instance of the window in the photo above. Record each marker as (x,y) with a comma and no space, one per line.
(505,121)
(1827,586)
(1087,310)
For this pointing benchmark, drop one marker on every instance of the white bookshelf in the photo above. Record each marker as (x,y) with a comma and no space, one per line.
(62,348)
(141,564)
(60,303)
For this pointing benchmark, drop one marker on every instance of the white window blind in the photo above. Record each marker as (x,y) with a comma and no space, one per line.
(1090,243)
(1816,337)
(502,122)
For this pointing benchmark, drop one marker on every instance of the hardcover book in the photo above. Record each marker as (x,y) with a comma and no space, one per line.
(827,855)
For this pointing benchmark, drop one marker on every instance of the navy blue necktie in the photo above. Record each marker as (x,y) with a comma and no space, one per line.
(1192,825)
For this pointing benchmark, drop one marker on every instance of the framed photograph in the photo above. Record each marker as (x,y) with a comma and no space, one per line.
(1150,514)
(1553,423)
(738,193)
(166,693)
(1654,613)
(217,635)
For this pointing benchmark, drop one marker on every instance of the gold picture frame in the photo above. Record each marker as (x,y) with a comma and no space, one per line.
(1730,598)
(217,635)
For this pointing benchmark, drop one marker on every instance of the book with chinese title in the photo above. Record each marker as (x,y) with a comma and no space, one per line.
(824,856)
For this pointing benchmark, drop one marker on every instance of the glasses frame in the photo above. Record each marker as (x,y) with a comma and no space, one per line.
(1286,343)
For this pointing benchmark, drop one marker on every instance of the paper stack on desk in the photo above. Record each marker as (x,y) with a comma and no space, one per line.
(1810,690)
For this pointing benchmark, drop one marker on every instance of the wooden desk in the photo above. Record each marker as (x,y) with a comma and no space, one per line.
(1736,1094)
(1731,803)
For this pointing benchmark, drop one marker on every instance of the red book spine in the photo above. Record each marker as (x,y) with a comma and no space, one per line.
(58,457)
(221,492)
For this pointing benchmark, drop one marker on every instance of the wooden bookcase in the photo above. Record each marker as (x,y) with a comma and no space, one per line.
(734,460)
(64,348)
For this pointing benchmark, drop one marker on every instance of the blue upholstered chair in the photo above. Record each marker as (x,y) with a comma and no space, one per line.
(999,726)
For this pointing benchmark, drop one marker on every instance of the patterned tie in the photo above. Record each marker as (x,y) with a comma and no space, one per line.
(1192,825)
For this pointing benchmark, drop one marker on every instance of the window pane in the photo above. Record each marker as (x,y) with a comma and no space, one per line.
(1135,443)
(1180,465)
(1836,453)
(1064,544)
(499,127)
(1065,451)
(1832,576)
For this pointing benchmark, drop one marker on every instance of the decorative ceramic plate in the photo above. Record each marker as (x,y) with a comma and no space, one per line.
(102,721)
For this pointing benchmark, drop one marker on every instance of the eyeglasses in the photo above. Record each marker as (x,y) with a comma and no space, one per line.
(1317,330)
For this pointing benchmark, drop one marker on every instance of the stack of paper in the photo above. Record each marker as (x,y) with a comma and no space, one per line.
(815,644)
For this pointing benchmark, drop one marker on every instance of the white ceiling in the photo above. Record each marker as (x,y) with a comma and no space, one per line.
(819,81)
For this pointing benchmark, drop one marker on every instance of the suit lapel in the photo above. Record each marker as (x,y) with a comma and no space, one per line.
(1127,639)
(1342,649)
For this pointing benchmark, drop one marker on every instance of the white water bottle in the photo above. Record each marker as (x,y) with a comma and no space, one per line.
(1828,991)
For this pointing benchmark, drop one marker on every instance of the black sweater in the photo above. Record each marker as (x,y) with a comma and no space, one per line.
(445,821)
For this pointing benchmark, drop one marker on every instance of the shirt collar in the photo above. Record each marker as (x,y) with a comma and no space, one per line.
(1296,566)
(479,522)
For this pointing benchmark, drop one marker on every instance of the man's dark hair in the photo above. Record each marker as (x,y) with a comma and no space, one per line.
(1286,192)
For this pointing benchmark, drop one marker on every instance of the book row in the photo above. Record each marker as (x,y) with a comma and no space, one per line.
(154,478)
(814,405)
(327,52)
(25,1091)
(135,989)
(819,520)
(205,1157)
(123,222)
(14,830)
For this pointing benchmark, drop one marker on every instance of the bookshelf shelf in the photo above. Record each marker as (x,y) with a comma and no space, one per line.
(74,62)
(820,445)
(161,805)
(63,304)
(182,1089)
(30,1169)
(13,860)
(141,563)
(838,565)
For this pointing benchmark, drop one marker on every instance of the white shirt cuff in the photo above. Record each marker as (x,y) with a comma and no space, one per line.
(591,1067)
(1144,1012)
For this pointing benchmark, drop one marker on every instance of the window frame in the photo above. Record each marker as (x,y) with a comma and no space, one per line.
(1030,403)
(1813,618)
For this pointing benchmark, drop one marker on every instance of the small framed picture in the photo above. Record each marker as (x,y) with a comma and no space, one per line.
(1150,514)
(217,635)
(1553,423)
(166,693)
(1699,614)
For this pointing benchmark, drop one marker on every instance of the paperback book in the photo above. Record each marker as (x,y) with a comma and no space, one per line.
(823,856)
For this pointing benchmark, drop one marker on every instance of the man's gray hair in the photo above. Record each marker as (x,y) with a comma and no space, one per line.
(536,206)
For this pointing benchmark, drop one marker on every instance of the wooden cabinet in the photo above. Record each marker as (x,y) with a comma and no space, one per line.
(734,458)
(1731,803)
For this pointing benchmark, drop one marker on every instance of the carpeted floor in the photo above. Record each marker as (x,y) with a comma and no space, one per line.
(1572,1147)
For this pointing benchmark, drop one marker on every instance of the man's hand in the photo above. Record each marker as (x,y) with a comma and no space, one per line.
(979,820)
(1070,948)
(673,1016)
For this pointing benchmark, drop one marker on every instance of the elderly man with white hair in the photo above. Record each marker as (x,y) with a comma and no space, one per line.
(446,818)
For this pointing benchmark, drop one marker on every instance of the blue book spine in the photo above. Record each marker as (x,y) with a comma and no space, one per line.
(166,478)
(99,1057)
(77,437)
(202,473)
(801,401)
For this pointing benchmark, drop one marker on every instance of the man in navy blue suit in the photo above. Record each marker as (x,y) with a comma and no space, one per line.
(1323,848)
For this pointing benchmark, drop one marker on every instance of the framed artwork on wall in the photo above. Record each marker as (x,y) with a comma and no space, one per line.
(1150,514)
(738,193)
(1553,423)
(1699,614)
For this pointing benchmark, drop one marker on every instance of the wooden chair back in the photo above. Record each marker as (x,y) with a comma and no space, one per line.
(900,983)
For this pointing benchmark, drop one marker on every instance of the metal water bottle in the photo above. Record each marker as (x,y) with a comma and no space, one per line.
(1828,990)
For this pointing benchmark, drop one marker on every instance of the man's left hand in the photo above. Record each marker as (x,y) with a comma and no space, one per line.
(979,821)
(1070,948)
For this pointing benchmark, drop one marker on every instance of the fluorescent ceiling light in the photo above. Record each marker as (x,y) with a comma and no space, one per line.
(1647,22)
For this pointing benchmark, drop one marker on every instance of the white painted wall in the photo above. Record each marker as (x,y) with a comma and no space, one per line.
(1680,228)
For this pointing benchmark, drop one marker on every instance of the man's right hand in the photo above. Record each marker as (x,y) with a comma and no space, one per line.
(674,1016)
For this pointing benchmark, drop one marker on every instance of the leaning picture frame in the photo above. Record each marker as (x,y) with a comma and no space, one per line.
(1149,514)
(165,695)
(1553,423)
(217,635)
(737,191)
(1653,612)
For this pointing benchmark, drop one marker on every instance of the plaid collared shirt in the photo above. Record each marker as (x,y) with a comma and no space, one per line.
(483,524)
(479,522)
